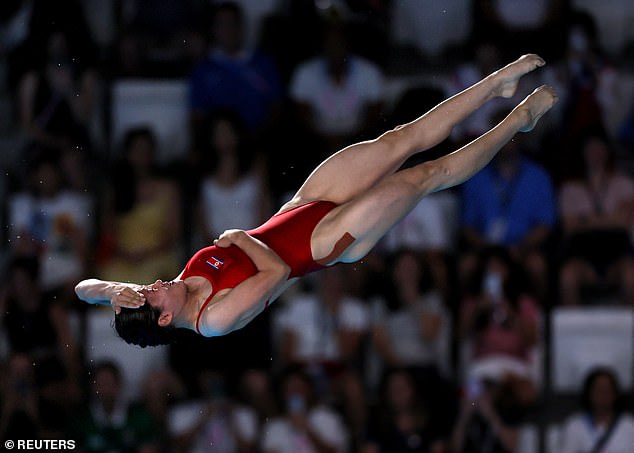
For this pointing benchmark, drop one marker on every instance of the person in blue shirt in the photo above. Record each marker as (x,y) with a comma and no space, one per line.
(510,203)
(233,76)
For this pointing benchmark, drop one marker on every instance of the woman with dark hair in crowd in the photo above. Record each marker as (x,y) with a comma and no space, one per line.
(402,421)
(499,326)
(411,330)
(597,212)
(345,206)
(602,425)
(233,190)
(141,222)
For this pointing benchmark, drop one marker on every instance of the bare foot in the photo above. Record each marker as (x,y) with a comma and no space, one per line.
(508,77)
(535,105)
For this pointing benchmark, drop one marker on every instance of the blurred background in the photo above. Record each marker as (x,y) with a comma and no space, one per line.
(497,317)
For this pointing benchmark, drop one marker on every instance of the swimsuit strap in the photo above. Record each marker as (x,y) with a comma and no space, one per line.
(201,311)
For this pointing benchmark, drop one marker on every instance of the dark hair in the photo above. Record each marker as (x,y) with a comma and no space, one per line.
(122,178)
(597,133)
(419,405)
(244,150)
(290,372)
(135,133)
(391,294)
(588,383)
(140,326)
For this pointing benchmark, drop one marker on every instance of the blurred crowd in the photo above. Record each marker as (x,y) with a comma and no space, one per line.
(432,343)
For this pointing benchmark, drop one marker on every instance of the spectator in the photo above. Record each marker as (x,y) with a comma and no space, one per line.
(80,170)
(53,223)
(39,327)
(256,390)
(410,322)
(486,57)
(337,94)
(430,228)
(234,191)
(19,414)
(158,40)
(501,326)
(142,218)
(489,419)
(430,36)
(306,424)
(109,423)
(34,403)
(597,213)
(521,26)
(510,203)
(29,26)
(402,422)
(602,424)
(28,321)
(214,423)
(57,101)
(323,333)
(233,76)
(587,82)
(161,390)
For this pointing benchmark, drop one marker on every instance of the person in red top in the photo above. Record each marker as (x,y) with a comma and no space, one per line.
(340,212)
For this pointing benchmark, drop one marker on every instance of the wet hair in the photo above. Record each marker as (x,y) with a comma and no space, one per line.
(140,326)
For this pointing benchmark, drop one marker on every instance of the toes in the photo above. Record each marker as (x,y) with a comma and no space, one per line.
(534,58)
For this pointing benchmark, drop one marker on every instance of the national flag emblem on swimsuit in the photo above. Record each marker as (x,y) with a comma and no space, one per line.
(215,262)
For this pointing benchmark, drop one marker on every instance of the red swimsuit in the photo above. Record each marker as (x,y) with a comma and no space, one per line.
(287,234)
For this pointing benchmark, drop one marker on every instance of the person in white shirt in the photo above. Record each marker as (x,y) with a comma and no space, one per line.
(304,427)
(323,333)
(338,94)
(216,423)
(52,222)
(602,425)
(323,326)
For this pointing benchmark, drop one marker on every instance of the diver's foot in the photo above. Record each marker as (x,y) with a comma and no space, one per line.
(508,77)
(535,105)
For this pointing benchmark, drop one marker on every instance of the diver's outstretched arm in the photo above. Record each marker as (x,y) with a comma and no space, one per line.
(117,294)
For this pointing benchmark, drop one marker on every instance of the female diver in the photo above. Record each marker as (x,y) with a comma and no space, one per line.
(340,212)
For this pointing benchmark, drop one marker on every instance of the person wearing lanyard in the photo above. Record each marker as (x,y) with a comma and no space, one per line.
(510,203)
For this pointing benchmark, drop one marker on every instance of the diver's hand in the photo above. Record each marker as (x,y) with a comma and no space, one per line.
(124,296)
(230,237)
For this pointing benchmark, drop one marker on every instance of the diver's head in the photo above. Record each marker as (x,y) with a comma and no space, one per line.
(152,324)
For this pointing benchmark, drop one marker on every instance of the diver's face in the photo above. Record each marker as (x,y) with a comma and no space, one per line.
(168,297)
